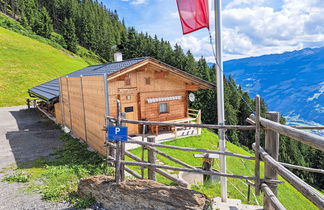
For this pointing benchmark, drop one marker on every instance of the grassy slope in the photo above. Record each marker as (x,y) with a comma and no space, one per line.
(289,196)
(25,62)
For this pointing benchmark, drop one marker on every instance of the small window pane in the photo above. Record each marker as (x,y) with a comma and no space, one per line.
(129,109)
(147,81)
(163,108)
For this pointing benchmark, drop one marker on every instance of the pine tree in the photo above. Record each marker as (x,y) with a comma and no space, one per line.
(69,35)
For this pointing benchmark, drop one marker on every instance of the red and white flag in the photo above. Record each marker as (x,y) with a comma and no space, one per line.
(194,15)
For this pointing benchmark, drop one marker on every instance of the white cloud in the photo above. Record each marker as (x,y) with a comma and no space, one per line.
(136,2)
(250,28)
(195,45)
(236,3)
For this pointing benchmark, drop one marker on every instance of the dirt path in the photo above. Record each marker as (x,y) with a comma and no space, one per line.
(24,136)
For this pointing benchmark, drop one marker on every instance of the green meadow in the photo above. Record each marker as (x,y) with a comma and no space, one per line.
(26,62)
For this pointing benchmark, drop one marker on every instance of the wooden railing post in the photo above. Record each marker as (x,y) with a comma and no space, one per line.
(118,147)
(272,148)
(28,103)
(151,159)
(143,150)
(257,143)
(122,152)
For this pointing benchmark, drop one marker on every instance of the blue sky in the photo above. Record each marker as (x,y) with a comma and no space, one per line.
(250,27)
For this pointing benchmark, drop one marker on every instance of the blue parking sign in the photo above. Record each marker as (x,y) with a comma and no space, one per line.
(117,133)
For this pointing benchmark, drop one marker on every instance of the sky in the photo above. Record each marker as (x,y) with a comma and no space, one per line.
(249,28)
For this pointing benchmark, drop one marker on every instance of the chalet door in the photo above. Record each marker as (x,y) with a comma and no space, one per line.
(129,105)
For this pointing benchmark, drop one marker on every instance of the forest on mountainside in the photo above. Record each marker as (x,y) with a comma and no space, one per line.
(92,25)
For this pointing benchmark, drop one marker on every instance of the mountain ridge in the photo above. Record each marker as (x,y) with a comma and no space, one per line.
(291,83)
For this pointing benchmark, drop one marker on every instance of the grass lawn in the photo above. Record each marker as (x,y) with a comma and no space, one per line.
(237,188)
(26,62)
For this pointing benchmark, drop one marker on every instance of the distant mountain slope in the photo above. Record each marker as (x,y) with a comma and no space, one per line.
(25,62)
(291,83)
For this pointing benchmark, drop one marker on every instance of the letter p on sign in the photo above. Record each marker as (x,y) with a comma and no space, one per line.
(117,130)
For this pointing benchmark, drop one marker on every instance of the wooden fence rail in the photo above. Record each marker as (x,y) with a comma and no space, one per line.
(275,203)
(309,192)
(161,172)
(198,171)
(310,139)
(190,149)
(188,125)
(314,170)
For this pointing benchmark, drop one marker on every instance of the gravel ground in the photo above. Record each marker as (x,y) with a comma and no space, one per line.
(24,136)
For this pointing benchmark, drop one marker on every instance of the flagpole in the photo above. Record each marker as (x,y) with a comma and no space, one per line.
(220,95)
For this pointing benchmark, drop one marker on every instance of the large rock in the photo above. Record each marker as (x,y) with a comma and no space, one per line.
(140,194)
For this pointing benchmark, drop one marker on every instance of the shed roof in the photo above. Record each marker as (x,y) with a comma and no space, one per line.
(50,90)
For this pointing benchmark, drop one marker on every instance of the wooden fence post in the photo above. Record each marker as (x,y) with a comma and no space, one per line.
(28,103)
(151,159)
(118,147)
(272,148)
(143,150)
(257,143)
(122,151)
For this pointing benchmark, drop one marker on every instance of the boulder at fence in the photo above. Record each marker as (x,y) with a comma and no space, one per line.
(140,194)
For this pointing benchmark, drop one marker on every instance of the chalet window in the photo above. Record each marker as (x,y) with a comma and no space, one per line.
(129,109)
(127,81)
(164,108)
(147,80)
(128,97)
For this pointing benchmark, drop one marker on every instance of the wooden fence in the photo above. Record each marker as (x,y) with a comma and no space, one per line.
(84,109)
(267,185)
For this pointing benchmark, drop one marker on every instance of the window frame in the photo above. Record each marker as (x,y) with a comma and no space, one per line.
(167,108)
(147,80)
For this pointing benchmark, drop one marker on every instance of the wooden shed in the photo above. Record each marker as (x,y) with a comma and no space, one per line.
(147,89)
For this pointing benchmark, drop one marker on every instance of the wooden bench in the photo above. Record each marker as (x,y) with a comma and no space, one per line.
(155,128)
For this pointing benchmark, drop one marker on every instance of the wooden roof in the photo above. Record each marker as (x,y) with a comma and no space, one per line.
(50,90)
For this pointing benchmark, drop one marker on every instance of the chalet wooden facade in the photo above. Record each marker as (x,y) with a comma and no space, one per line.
(151,92)
(147,89)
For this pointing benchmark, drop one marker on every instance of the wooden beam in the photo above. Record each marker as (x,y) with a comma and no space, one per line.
(163,173)
(309,192)
(257,143)
(198,171)
(271,147)
(314,170)
(170,157)
(187,125)
(192,87)
(275,203)
(151,159)
(132,172)
(310,139)
(190,149)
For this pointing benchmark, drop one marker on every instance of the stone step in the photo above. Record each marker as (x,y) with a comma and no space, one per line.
(232,204)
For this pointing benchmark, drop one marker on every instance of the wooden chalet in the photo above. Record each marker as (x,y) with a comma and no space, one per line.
(147,89)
